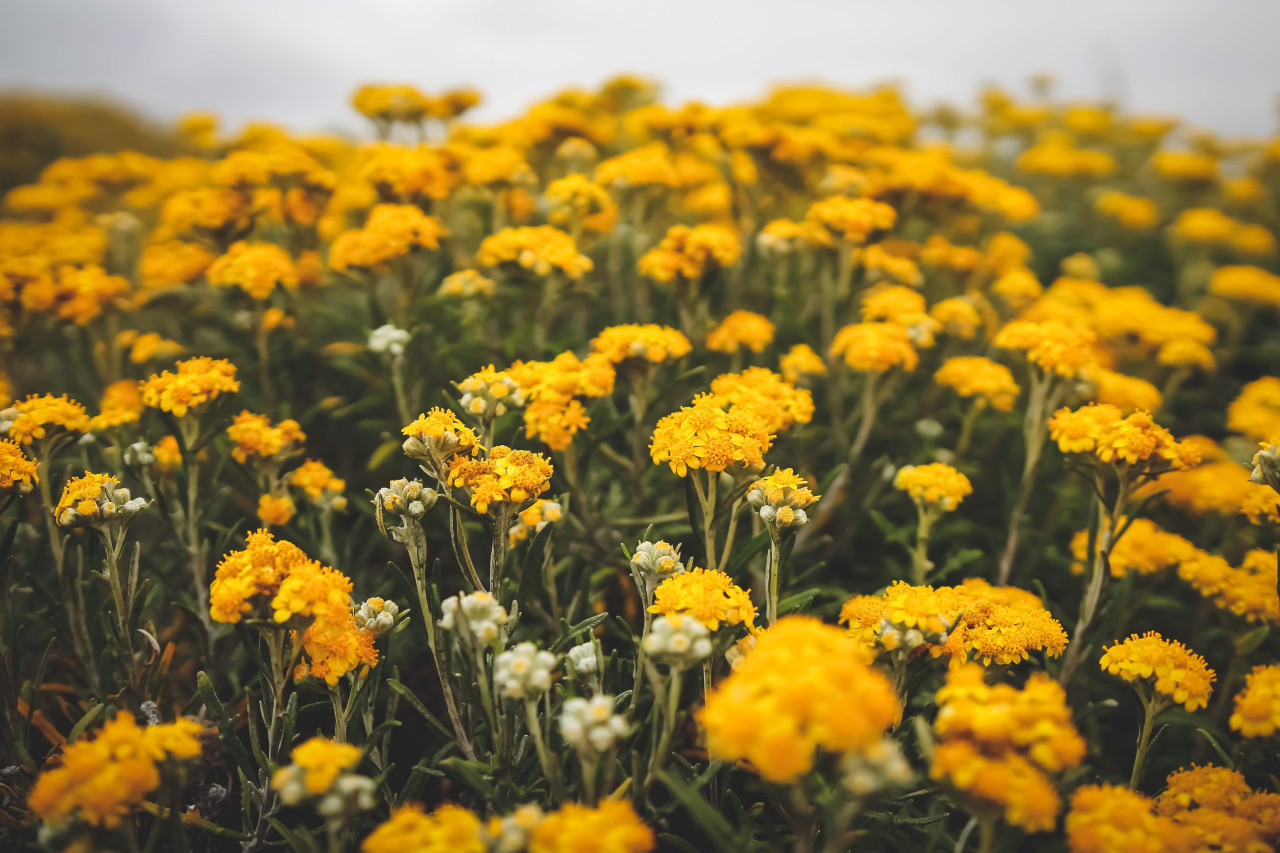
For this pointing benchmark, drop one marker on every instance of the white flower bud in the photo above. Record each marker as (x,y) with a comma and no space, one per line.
(377,615)
(581,660)
(523,672)
(589,725)
(481,612)
(388,339)
(678,640)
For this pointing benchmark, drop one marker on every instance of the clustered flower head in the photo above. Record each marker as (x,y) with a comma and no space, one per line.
(523,671)
(1217,810)
(708,436)
(467,284)
(256,268)
(988,382)
(198,381)
(688,254)
(991,624)
(1054,347)
(648,341)
(18,474)
(477,617)
(321,769)
(757,389)
(391,231)
(1175,673)
(103,779)
(801,361)
(1257,707)
(709,596)
(781,499)
(875,347)
(254,436)
(741,329)
(554,413)
(590,725)
(998,746)
(679,640)
(1113,819)
(406,499)
(96,500)
(539,249)
(532,520)
(1135,440)
(933,487)
(377,615)
(489,394)
(435,438)
(503,479)
(789,699)
(41,417)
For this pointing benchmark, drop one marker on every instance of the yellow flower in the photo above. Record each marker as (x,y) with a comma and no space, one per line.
(741,329)
(691,253)
(990,382)
(276,510)
(538,249)
(320,761)
(256,268)
(706,435)
(1175,673)
(1255,413)
(505,476)
(801,360)
(576,199)
(764,393)
(317,481)
(1257,706)
(1127,393)
(81,495)
(1246,283)
(466,284)
(254,435)
(875,347)
(198,381)
(391,231)
(802,690)
(46,416)
(647,341)
(1134,213)
(935,485)
(248,577)
(448,829)
(1054,347)
(104,779)
(391,102)
(709,596)
(148,346)
(610,827)
(852,219)
(18,474)
(957,316)
(1112,819)
(121,404)
(1101,430)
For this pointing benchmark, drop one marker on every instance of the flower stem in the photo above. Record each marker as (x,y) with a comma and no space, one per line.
(1151,709)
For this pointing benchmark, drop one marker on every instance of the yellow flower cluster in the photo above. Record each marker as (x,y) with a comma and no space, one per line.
(467,284)
(802,690)
(1217,810)
(554,414)
(1134,213)
(935,485)
(757,389)
(709,596)
(82,495)
(121,404)
(254,436)
(1209,226)
(18,474)
(391,231)
(45,416)
(256,268)
(801,361)
(741,329)
(989,382)
(875,347)
(103,779)
(1111,819)
(1101,430)
(610,827)
(1257,706)
(319,762)
(647,341)
(198,381)
(539,249)
(317,482)
(993,624)
(706,435)
(1255,412)
(691,253)
(448,829)
(577,201)
(1145,548)
(504,476)
(998,745)
(1247,284)
(1248,590)
(1054,347)
(1173,671)
(852,219)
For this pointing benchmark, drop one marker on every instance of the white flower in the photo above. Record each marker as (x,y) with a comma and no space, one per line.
(523,672)
(350,794)
(479,610)
(377,615)
(589,725)
(877,767)
(512,832)
(656,560)
(581,660)
(388,339)
(678,640)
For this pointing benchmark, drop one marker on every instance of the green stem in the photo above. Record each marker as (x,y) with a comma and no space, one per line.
(772,569)
(1151,709)
(550,768)
(920,557)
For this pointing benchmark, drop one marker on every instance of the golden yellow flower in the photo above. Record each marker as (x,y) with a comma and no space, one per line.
(647,341)
(709,596)
(1175,673)
(610,827)
(989,382)
(741,329)
(538,249)
(46,416)
(448,829)
(691,253)
(934,485)
(706,435)
(18,474)
(1257,707)
(256,268)
(875,347)
(198,381)
(1112,819)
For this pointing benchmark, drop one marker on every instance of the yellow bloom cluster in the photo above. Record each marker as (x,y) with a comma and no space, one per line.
(1101,429)
(852,219)
(709,596)
(504,476)
(610,827)
(802,690)
(801,361)
(254,436)
(391,231)
(1255,413)
(1248,590)
(993,624)
(1058,158)
(1054,347)
(317,482)
(935,485)
(999,744)
(18,474)
(256,268)
(198,381)
(121,404)
(318,761)
(757,389)
(78,294)
(989,382)
(554,414)
(741,329)
(467,284)
(875,347)
(1246,283)
(1145,548)
(1172,670)
(82,496)
(1134,213)
(1217,810)
(647,341)
(1257,706)
(448,829)
(708,436)
(539,249)
(577,201)
(104,779)
(45,416)
(691,253)
(1111,819)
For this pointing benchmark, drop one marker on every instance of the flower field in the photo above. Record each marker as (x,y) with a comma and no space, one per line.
(820,473)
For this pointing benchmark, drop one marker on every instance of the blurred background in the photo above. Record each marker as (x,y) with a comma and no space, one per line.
(124,70)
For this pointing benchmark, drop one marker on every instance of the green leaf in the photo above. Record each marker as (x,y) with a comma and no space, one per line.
(84,722)
(718,830)
(226,725)
(532,582)
(413,700)
(1217,747)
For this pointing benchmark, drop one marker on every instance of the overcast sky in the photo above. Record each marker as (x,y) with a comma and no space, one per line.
(296,62)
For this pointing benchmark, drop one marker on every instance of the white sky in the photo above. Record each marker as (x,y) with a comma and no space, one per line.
(297,61)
